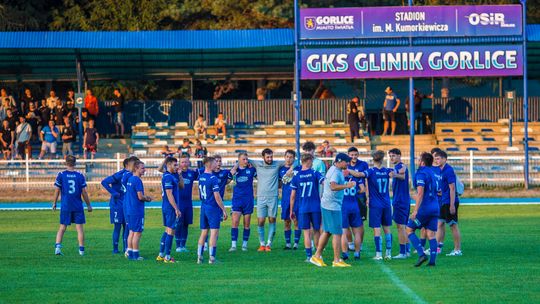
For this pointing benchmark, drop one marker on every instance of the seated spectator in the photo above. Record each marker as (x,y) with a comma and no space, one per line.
(220,124)
(51,100)
(68,137)
(26,100)
(49,135)
(325,150)
(200,127)
(44,114)
(10,101)
(24,133)
(167,152)
(91,140)
(4,106)
(7,136)
(200,151)
(91,104)
(33,117)
(185,148)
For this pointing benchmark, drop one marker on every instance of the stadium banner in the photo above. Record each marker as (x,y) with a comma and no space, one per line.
(416,61)
(413,21)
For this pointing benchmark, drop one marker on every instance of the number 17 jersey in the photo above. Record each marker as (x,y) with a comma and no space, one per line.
(378,180)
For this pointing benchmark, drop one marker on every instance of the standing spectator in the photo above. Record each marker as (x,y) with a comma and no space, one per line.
(200,151)
(7,135)
(91,103)
(118,104)
(91,140)
(68,137)
(45,115)
(59,112)
(354,115)
(70,96)
(8,98)
(200,126)
(51,100)
(12,120)
(85,118)
(185,148)
(390,107)
(4,106)
(71,111)
(49,135)
(220,125)
(325,150)
(418,115)
(26,100)
(33,117)
(24,133)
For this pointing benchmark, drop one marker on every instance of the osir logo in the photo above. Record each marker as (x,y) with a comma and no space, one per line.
(497,19)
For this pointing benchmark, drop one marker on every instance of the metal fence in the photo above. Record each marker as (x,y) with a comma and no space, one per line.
(474,170)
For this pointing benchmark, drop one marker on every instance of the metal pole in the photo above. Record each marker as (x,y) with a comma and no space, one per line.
(79,85)
(471,166)
(27,173)
(297,64)
(525,97)
(117,161)
(510,122)
(412,121)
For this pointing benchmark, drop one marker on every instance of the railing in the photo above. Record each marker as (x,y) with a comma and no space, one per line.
(474,170)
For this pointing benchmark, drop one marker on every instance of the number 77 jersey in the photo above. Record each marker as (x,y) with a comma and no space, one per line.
(378,181)
(306,183)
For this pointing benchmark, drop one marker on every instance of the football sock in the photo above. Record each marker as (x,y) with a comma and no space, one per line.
(184,234)
(261,234)
(288,237)
(297,236)
(388,238)
(271,232)
(58,245)
(423,243)
(308,252)
(432,251)
(81,248)
(200,249)
(408,248)
(178,236)
(245,235)
(440,245)
(125,236)
(116,236)
(135,254)
(130,253)
(344,255)
(162,244)
(416,244)
(378,243)
(168,244)
(351,244)
(213,252)
(234,234)
(357,254)
(402,249)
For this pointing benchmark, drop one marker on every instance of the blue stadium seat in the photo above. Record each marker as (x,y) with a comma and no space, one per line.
(467,130)
(259,123)
(534,149)
(240,124)
(469,139)
(537,168)
(240,151)
(458,168)
(472,149)
(488,139)
(240,132)
(479,168)
(453,149)
(492,149)
(447,130)
(449,140)
(497,168)
(487,130)
(241,141)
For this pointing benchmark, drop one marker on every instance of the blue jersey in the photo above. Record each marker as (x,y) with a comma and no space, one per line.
(208,185)
(424,177)
(360,166)
(113,185)
(437,174)
(306,183)
(169,181)
(71,184)
(400,188)
(286,185)
(186,194)
(350,196)
(222,176)
(244,182)
(136,206)
(378,182)
(448,176)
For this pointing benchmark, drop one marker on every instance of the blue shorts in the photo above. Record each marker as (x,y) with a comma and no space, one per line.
(400,214)
(72,217)
(243,205)
(309,219)
(380,216)
(187,215)
(332,221)
(211,218)
(351,218)
(424,221)
(136,223)
(117,212)
(286,210)
(126,213)
(169,218)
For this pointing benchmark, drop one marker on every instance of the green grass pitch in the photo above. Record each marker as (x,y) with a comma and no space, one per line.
(501,264)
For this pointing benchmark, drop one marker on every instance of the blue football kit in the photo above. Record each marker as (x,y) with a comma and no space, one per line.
(306,184)
(71,185)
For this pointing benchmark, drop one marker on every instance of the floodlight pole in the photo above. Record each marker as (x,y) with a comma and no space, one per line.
(79,85)
(525,98)
(412,119)
(297,94)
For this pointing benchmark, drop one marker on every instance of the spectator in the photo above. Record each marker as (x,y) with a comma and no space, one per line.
(167,152)
(390,107)
(7,136)
(26,100)
(44,114)
(33,117)
(85,118)
(200,151)
(71,111)
(70,96)
(355,115)
(49,135)
(24,133)
(318,164)
(118,104)
(12,120)
(220,125)
(59,112)
(200,127)
(418,115)
(51,101)
(68,137)
(91,104)
(185,148)
(3,108)
(91,140)
(8,98)
(325,150)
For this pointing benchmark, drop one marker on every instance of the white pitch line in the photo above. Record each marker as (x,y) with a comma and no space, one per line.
(409,292)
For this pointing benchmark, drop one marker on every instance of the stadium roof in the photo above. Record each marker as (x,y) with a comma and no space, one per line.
(211,54)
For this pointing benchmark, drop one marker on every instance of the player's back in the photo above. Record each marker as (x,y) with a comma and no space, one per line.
(378,184)
(306,183)
(244,183)
(169,181)
(425,177)
(359,166)
(71,184)
(400,187)
(208,184)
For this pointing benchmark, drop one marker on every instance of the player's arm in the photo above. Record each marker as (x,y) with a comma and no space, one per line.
(398,102)
(452,188)
(362,188)
(106,183)
(337,187)
(142,197)
(86,199)
(419,198)
(357,173)
(234,169)
(220,204)
(401,174)
(170,197)
(291,202)
(56,195)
